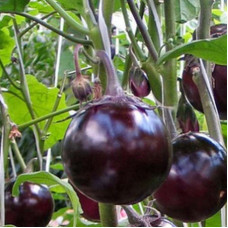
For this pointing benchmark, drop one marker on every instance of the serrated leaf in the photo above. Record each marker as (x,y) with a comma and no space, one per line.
(49,180)
(214,50)
(13,5)
(43,99)
(186,10)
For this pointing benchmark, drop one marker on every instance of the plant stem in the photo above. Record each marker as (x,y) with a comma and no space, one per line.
(170,73)
(7,127)
(2,179)
(141,13)
(24,85)
(137,49)
(113,86)
(65,35)
(203,30)
(127,67)
(210,111)
(7,75)
(34,24)
(154,78)
(154,25)
(108,7)
(76,60)
(55,107)
(149,43)
(70,21)
(108,215)
(52,114)
(12,164)
(18,154)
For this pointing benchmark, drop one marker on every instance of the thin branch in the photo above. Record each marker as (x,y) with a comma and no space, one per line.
(65,35)
(137,49)
(18,154)
(34,24)
(70,20)
(7,75)
(42,118)
(143,30)
(24,85)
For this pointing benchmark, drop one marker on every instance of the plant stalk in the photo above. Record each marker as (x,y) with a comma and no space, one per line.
(52,114)
(137,49)
(18,154)
(148,41)
(113,86)
(108,7)
(203,31)
(211,114)
(2,179)
(61,33)
(170,71)
(24,85)
(34,24)
(210,111)
(70,21)
(154,25)
(76,60)
(108,215)
(9,78)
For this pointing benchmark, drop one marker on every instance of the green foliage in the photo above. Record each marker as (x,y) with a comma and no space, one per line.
(6,46)
(209,49)
(13,5)
(43,99)
(72,4)
(49,180)
(186,10)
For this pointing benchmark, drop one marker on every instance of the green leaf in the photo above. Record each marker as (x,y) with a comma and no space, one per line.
(42,7)
(6,47)
(214,50)
(57,166)
(43,99)
(72,4)
(186,10)
(13,5)
(50,180)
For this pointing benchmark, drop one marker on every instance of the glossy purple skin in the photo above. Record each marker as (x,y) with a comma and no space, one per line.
(196,186)
(117,152)
(219,78)
(32,208)
(219,81)
(139,83)
(90,207)
(219,87)
(186,117)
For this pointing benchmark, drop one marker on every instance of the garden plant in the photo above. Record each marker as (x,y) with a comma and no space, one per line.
(113,113)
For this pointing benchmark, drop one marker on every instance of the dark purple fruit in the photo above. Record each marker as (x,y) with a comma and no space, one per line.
(139,82)
(219,81)
(116,150)
(196,186)
(90,207)
(33,207)
(186,116)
